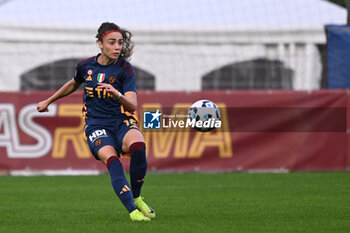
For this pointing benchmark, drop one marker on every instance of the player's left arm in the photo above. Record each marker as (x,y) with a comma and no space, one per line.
(128,100)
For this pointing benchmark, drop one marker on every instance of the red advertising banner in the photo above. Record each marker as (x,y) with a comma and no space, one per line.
(260,131)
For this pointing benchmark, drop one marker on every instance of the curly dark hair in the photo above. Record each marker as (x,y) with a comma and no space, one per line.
(128,45)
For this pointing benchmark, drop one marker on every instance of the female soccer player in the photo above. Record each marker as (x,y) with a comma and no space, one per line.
(111,129)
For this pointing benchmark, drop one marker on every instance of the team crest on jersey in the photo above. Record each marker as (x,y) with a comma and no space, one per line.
(112,79)
(98,142)
(101,77)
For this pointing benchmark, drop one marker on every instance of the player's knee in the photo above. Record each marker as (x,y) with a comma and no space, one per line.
(105,153)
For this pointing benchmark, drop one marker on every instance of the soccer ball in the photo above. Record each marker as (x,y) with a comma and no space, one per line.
(204,116)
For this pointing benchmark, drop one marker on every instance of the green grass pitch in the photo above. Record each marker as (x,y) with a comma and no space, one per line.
(190,202)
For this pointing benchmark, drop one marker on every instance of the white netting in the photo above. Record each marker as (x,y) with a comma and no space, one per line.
(183,44)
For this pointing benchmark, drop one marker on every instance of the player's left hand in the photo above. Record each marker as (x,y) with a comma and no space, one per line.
(109,88)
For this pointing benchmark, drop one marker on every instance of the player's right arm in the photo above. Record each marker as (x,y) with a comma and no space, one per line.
(68,88)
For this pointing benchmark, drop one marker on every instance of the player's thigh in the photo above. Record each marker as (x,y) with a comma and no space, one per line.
(132,136)
(101,142)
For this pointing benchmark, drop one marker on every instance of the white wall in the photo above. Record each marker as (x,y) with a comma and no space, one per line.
(177,59)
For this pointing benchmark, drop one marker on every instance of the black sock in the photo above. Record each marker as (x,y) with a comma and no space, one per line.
(138,167)
(120,184)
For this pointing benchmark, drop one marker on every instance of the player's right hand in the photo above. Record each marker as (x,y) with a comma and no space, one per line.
(43,106)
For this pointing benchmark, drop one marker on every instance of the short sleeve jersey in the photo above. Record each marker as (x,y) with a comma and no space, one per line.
(98,103)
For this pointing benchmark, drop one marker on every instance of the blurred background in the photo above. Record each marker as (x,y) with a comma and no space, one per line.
(254,54)
(183,45)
